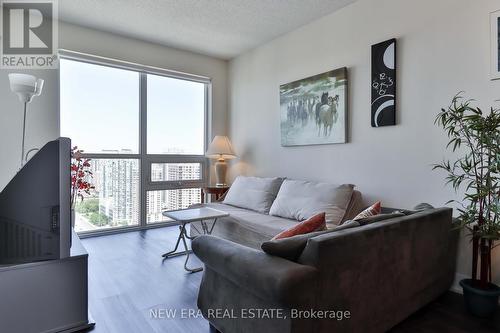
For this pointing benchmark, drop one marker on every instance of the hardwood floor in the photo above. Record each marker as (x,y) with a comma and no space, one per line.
(128,280)
(447,314)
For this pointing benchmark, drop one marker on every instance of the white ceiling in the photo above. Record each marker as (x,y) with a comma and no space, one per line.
(220,28)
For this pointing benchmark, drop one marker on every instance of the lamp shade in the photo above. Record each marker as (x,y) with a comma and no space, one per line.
(220,147)
(25,86)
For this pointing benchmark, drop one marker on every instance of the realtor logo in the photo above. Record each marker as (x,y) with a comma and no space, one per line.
(29,34)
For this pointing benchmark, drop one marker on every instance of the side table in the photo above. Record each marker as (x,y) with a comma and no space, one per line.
(213,191)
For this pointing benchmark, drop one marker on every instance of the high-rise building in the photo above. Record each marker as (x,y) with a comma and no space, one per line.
(159,201)
(117,184)
(118,190)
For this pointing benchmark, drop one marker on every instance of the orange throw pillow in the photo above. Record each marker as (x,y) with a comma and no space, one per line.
(315,223)
(373,210)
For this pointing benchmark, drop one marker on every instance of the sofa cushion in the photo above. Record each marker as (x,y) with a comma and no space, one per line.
(314,223)
(355,206)
(253,193)
(245,226)
(423,206)
(300,200)
(290,248)
(388,210)
(378,218)
(346,225)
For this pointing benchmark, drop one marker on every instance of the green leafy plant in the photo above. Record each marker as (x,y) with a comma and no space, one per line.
(476,172)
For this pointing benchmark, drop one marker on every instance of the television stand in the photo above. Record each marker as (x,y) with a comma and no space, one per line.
(46,296)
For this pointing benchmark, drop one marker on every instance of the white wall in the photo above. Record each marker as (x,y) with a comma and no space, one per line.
(443,48)
(43,114)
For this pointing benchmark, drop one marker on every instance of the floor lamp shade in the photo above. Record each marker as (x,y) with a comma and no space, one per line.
(25,86)
(221,149)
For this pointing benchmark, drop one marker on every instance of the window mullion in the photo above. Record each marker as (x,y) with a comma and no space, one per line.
(144,165)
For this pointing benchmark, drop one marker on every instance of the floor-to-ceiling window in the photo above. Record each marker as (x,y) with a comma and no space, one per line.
(145,130)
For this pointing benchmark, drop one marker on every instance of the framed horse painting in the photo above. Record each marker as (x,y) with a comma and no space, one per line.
(314,109)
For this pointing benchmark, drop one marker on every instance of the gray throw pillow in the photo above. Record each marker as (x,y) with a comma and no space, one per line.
(253,193)
(387,210)
(379,217)
(346,225)
(423,206)
(291,248)
(299,200)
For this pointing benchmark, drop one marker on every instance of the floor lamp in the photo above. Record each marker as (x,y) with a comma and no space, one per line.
(26,87)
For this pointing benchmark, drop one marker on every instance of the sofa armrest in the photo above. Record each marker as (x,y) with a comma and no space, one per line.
(271,278)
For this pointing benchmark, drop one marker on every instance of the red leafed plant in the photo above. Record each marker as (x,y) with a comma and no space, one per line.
(81,176)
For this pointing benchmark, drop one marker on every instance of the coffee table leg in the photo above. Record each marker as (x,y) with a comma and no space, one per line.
(209,232)
(182,236)
(173,253)
(204,226)
(191,225)
(191,270)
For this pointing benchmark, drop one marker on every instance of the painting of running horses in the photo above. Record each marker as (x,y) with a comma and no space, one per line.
(314,109)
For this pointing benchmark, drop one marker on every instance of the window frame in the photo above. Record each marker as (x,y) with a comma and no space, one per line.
(146,160)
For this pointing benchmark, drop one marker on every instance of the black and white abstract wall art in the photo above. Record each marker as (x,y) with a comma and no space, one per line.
(495,45)
(383,110)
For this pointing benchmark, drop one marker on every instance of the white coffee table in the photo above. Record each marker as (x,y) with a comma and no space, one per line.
(186,216)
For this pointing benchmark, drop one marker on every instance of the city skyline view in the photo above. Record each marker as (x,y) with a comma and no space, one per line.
(115,200)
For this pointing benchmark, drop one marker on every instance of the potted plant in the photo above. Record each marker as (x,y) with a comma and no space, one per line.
(81,176)
(476,134)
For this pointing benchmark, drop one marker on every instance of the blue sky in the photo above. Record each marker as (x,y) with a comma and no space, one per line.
(100,110)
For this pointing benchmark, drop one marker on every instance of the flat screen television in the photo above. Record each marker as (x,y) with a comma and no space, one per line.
(35,208)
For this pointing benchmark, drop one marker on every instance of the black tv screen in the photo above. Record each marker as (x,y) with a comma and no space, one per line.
(35,208)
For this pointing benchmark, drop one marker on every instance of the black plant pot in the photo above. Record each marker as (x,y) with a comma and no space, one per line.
(480,302)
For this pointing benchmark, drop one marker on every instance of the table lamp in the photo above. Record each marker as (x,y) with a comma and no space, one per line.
(221,149)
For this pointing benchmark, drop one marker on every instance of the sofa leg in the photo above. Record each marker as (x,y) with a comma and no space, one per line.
(213,329)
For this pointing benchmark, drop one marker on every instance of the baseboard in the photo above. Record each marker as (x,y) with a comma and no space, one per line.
(455,287)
